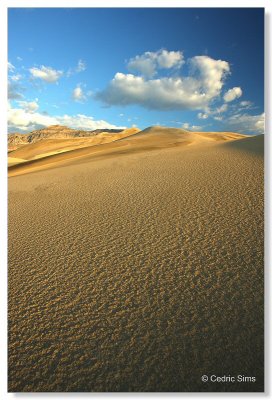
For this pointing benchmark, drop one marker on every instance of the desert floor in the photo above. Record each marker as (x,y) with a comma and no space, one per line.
(138,266)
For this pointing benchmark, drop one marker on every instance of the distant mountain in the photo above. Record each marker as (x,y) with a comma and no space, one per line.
(15,140)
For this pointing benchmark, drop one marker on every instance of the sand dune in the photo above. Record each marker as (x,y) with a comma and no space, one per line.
(14,161)
(250,144)
(46,154)
(138,265)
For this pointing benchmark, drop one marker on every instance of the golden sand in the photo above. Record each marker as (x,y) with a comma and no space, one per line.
(138,265)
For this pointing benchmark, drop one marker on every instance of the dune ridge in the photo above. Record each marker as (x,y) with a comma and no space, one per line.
(47,153)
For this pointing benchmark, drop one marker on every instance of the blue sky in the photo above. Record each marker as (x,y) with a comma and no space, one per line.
(200,69)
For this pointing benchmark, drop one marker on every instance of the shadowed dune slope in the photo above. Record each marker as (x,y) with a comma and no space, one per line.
(253,144)
(139,272)
(126,142)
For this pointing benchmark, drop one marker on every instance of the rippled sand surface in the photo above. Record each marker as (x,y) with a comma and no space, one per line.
(139,271)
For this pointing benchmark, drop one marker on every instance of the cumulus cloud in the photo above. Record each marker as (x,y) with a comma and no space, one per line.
(47,74)
(189,127)
(169,59)
(78,94)
(29,106)
(148,63)
(211,74)
(246,123)
(202,115)
(194,91)
(233,94)
(22,120)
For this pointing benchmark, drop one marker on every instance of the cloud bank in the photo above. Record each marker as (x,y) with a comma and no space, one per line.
(246,123)
(26,119)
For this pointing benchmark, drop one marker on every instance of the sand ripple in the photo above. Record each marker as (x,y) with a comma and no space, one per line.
(138,273)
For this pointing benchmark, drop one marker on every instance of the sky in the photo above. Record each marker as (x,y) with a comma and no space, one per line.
(91,68)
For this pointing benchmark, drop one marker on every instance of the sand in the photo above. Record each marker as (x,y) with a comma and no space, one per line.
(138,265)
(14,161)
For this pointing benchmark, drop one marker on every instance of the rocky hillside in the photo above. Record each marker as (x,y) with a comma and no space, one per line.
(16,140)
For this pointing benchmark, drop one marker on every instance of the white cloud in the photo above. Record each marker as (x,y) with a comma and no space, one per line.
(145,66)
(81,121)
(233,94)
(246,105)
(78,94)
(215,113)
(81,66)
(209,112)
(19,58)
(221,109)
(169,59)
(16,77)
(25,121)
(202,115)
(15,91)
(212,73)
(148,63)
(11,67)
(21,120)
(29,106)
(189,127)
(47,74)
(246,123)
(194,91)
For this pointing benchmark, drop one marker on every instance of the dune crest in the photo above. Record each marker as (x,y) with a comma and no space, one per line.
(47,152)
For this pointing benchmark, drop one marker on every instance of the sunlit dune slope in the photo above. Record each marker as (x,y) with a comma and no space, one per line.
(14,161)
(44,154)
